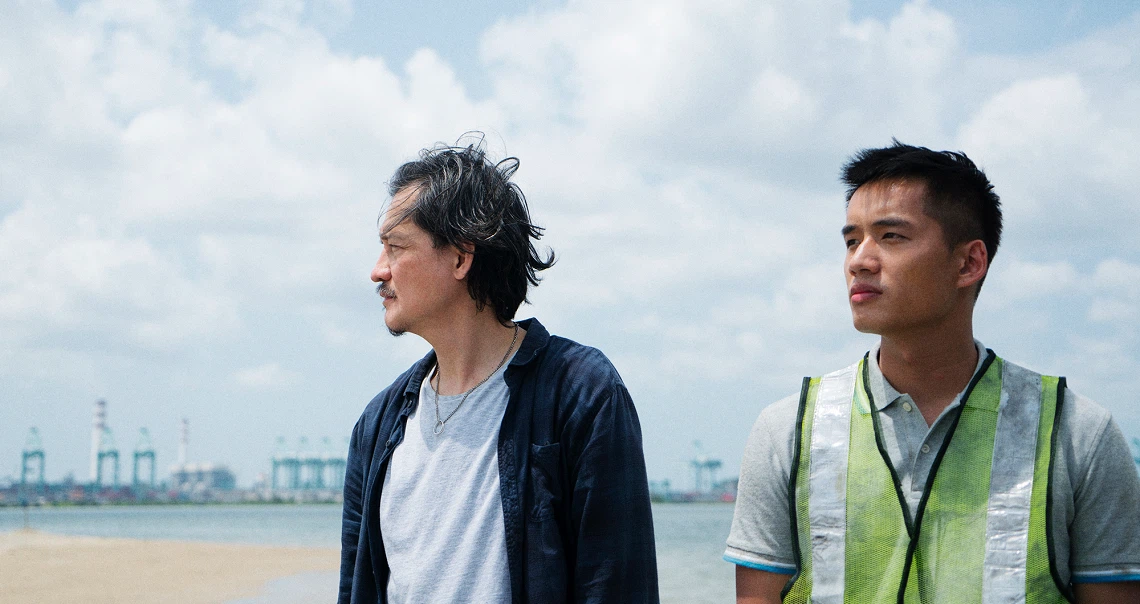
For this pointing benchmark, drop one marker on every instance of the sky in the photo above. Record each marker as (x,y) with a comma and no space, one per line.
(189,194)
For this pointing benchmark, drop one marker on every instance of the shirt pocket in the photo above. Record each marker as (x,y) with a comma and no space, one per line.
(545,480)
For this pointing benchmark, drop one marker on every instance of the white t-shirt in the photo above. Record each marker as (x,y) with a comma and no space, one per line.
(441,513)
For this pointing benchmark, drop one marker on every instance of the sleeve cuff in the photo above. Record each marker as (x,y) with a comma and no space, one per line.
(1107,576)
(748,560)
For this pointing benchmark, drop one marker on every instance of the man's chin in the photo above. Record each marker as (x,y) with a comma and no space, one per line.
(864,325)
(396,330)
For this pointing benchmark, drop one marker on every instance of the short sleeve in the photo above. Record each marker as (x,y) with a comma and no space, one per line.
(761,534)
(1105,529)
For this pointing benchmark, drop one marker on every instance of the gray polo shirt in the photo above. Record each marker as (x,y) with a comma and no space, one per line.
(1095,486)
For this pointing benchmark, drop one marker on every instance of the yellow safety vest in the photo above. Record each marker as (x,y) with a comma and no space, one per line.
(981,529)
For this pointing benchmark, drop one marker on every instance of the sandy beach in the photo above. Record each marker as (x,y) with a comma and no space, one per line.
(43,567)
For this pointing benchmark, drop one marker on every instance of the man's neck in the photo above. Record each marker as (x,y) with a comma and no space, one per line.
(932,368)
(470,350)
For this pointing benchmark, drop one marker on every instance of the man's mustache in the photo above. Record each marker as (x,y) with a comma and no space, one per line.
(385,290)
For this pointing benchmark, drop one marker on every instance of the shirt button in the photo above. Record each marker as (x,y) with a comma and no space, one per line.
(907,407)
(926,448)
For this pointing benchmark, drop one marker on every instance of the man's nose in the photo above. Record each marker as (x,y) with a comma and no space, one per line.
(864,257)
(381,272)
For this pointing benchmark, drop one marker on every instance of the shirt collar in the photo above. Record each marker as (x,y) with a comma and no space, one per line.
(535,340)
(882,390)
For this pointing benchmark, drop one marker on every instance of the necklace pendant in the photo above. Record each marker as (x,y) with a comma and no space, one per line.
(438,429)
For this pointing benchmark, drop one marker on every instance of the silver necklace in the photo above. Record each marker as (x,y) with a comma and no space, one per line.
(439,423)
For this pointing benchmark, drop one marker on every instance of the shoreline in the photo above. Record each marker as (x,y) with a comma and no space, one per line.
(37,566)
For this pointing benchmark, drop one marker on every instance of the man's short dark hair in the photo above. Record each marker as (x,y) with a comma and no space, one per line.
(464,200)
(958,194)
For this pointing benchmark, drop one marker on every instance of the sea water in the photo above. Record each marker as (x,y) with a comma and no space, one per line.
(690,540)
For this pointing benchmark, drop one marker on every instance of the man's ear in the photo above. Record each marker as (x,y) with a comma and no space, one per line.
(973,262)
(464,256)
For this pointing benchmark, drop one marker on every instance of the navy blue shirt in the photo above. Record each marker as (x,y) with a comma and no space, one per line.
(571,474)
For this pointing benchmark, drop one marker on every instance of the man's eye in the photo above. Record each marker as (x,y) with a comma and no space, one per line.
(851,242)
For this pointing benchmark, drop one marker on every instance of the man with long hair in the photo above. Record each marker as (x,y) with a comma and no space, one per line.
(506,465)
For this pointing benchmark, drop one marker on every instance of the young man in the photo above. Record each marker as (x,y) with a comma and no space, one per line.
(932,470)
(506,465)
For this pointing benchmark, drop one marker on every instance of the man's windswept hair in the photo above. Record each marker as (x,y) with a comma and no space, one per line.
(464,200)
(958,194)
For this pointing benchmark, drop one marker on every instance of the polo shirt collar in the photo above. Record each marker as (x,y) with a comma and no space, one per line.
(882,390)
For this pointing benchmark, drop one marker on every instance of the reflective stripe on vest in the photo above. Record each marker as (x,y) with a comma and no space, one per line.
(827,479)
(980,532)
(1011,485)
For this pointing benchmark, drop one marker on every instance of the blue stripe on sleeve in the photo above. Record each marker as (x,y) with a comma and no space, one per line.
(764,567)
(1105,578)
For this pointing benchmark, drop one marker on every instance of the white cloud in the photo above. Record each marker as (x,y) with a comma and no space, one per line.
(1033,118)
(921,40)
(778,105)
(267,376)
(1118,300)
(1120,275)
(182,195)
(1014,280)
(67,273)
